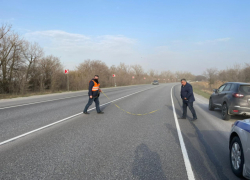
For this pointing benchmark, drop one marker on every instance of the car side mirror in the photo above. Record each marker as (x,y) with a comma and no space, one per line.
(215,90)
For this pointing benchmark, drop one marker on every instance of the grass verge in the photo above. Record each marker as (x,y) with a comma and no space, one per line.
(199,91)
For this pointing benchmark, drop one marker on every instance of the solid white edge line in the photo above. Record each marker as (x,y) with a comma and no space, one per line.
(62,120)
(188,166)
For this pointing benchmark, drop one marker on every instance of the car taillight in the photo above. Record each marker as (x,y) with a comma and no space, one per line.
(237,95)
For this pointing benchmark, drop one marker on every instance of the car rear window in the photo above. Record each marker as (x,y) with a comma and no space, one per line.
(244,89)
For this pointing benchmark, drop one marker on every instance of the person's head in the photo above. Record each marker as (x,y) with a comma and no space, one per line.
(96,77)
(183,82)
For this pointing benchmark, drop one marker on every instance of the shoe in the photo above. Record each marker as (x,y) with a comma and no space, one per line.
(85,113)
(181,117)
(193,119)
(100,112)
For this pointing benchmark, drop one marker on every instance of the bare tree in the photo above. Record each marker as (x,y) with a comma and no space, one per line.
(4,30)
(8,50)
(31,52)
(211,75)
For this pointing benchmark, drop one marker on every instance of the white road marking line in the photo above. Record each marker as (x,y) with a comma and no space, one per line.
(7,107)
(182,143)
(62,120)
(39,102)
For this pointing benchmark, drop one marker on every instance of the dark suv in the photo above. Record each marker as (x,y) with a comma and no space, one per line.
(233,98)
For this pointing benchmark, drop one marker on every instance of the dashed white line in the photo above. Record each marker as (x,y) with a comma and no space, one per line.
(188,166)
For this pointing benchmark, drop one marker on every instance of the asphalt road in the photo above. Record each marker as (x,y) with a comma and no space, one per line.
(114,145)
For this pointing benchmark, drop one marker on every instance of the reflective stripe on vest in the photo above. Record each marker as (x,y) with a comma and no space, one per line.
(96,86)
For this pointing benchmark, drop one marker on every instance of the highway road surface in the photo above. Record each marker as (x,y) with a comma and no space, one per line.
(48,137)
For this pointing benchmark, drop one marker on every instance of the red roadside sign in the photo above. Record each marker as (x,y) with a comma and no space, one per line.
(113,75)
(66,71)
(133,77)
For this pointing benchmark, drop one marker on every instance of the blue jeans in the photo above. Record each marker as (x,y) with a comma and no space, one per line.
(97,104)
(191,107)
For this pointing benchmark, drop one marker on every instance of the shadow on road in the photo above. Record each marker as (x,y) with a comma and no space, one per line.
(147,164)
(178,112)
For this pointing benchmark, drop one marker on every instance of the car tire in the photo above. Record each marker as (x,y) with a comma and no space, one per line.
(224,112)
(211,106)
(236,156)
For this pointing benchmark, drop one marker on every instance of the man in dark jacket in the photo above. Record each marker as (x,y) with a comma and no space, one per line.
(187,97)
(94,93)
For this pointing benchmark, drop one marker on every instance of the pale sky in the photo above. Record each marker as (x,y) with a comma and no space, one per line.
(163,35)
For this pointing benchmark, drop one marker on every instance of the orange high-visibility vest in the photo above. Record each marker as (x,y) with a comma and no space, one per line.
(96,86)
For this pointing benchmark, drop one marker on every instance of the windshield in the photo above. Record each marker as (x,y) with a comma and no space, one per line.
(245,89)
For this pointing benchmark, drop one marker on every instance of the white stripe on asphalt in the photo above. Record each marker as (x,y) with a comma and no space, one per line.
(38,102)
(182,143)
(62,120)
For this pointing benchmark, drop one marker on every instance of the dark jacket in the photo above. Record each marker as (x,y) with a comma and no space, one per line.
(187,92)
(93,93)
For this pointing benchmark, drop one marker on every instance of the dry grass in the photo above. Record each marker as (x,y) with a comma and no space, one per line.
(203,88)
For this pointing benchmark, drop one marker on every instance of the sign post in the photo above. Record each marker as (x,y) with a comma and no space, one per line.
(114,79)
(67,73)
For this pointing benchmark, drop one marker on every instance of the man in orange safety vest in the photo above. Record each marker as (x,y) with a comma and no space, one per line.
(94,93)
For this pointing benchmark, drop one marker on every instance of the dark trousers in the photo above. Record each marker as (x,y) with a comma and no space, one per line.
(191,107)
(97,104)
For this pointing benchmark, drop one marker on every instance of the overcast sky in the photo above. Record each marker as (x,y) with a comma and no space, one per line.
(163,35)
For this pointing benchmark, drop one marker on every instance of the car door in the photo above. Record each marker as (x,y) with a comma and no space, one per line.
(217,95)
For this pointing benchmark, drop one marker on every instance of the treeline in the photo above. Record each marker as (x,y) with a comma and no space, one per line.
(124,75)
(237,73)
(24,68)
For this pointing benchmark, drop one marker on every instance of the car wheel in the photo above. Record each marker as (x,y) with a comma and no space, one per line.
(224,112)
(211,106)
(236,156)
